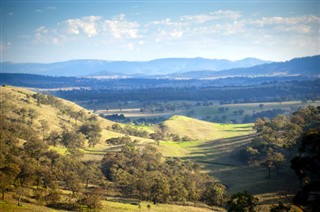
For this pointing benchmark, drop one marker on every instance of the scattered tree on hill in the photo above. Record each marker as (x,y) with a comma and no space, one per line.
(32,166)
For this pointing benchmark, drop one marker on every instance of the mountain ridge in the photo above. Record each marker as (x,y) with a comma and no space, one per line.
(304,66)
(162,66)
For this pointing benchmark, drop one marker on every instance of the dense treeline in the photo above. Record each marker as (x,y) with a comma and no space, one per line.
(296,90)
(277,143)
(144,175)
(40,81)
(160,133)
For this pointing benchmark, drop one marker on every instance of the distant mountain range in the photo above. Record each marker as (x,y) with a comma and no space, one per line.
(306,66)
(172,68)
(108,68)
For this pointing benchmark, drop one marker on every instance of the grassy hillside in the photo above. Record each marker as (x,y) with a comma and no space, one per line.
(58,118)
(213,145)
(202,130)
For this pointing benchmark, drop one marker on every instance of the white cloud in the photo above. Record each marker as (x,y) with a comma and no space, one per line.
(45,35)
(87,25)
(216,15)
(119,27)
(200,32)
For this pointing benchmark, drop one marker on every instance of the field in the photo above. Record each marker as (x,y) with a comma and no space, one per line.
(209,111)
(110,204)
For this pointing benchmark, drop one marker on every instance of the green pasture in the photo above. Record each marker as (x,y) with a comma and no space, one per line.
(210,112)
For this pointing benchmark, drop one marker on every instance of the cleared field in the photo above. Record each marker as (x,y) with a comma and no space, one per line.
(210,112)
(111,204)
(116,206)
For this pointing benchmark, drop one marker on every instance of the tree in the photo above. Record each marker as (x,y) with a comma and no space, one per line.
(7,177)
(44,126)
(216,194)
(157,136)
(35,148)
(92,199)
(91,173)
(159,187)
(307,166)
(242,202)
(72,139)
(92,131)
(54,138)
(273,160)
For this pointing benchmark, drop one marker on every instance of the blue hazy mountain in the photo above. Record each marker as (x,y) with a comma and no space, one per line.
(107,68)
(305,66)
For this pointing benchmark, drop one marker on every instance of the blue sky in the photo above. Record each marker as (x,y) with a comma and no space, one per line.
(50,31)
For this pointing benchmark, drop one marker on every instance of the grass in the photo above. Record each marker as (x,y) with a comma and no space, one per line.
(205,112)
(204,131)
(110,204)
(11,206)
(122,207)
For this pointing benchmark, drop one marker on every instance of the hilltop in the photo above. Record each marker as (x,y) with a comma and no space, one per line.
(203,130)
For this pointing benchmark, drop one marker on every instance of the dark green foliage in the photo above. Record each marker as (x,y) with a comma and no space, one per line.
(92,199)
(119,140)
(307,166)
(242,202)
(142,174)
(72,140)
(129,130)
(277,137)
(216,194)
(280,208)
(92,131)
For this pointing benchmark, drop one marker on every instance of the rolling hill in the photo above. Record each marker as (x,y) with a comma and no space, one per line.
(212,145)
(202,130)
(58,115)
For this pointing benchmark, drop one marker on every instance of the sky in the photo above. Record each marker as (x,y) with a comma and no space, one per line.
(60,30)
